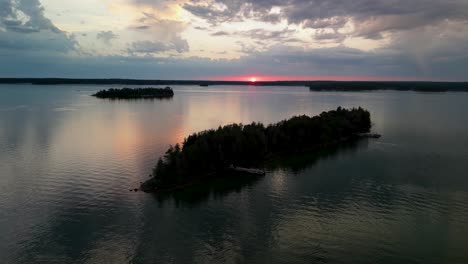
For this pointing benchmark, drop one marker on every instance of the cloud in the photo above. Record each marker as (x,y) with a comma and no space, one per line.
(150,47)
(391,62)
(18,26)
(419,38)
(37,42)
(263,34)
(261,37)
(24,16)
(216,11)
(327,35)
(220,33)
(335,22)
(369,18)
(23,26)
(180,44)
(106,36)
(158,35)
(247,49)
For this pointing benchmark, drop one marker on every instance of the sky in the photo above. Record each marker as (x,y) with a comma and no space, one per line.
(235,39)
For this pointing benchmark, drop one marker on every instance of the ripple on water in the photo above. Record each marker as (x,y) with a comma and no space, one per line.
(64,180)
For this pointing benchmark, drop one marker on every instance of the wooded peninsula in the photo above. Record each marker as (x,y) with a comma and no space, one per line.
(137,93)
(212,152)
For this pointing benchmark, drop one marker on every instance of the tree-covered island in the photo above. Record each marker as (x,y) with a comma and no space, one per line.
(210,153)
(136,93)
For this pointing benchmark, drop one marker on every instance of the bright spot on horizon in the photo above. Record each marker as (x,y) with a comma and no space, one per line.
(253,79)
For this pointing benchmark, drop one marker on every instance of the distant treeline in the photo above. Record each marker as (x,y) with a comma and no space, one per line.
(211,152)
(129,93)
(314,85)
(64,81)
(398,86)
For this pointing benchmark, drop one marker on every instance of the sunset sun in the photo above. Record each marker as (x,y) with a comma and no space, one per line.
(253,79)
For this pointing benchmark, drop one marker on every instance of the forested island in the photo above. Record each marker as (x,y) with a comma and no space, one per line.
(137,93)
(209,154)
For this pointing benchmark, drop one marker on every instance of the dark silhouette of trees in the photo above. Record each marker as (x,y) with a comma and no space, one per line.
(357,86)
(137,93)
(211,152)
(314,85)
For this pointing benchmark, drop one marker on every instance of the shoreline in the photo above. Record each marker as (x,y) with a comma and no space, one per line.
(249,146)
(311,86)
(272,158)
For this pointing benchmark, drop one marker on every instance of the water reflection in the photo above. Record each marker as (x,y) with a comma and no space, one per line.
(211,189)
(298,162)
(67,161)
(218,187)
(249,220)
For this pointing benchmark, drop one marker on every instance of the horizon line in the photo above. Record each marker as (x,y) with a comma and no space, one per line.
(3,79)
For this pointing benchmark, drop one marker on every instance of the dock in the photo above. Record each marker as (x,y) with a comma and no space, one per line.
(247,170)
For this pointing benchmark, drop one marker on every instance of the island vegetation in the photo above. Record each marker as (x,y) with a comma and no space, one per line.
(137,93)
(212,152)
(331,86)
(231,181)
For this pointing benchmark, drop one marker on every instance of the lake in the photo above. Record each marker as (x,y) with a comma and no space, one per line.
(68,160)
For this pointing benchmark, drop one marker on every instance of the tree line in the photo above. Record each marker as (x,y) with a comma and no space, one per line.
(356,86)
(129,93)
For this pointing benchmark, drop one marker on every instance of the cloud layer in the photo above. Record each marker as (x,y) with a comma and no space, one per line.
(23,27)
(420,39)
(369,18)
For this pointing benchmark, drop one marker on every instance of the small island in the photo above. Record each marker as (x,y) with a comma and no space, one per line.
(214,153)
(136,93)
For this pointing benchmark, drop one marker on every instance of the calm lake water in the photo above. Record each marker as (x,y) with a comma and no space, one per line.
(68,160)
